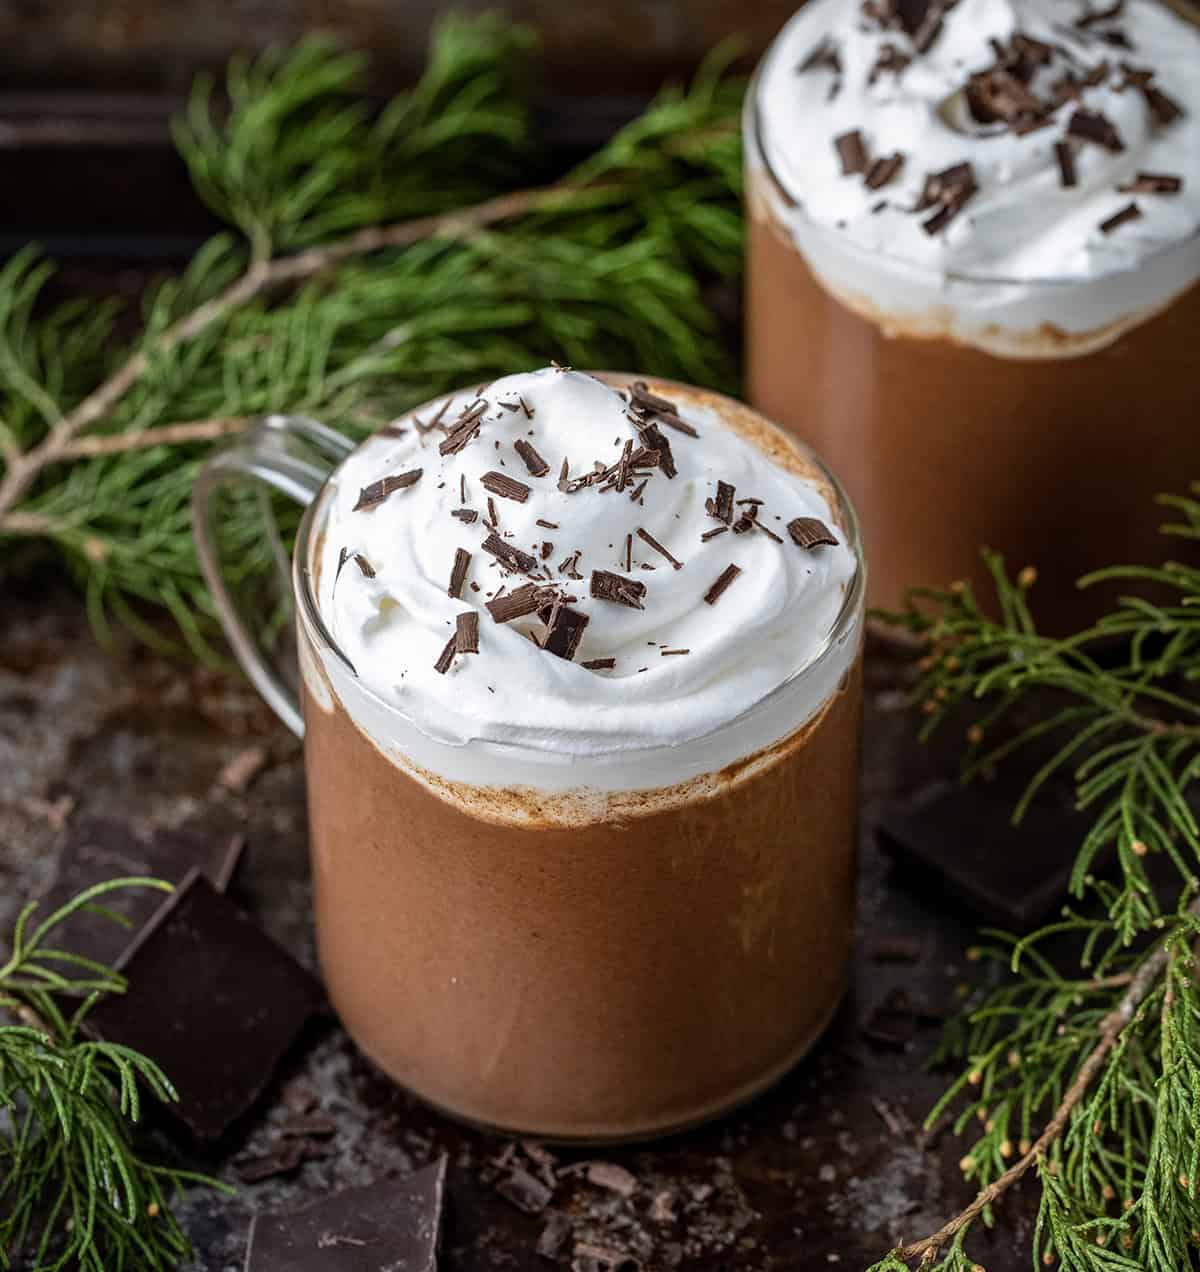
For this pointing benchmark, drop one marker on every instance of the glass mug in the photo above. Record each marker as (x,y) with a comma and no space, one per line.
(616,970)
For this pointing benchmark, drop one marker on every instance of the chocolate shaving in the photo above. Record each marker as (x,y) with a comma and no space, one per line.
(569,566)
(890,59)
(607,586)
(758,525)
(811,532)
(466,427)
(458,573)
(951,189)
(566,631)
(1092,16)
(525,1191)
(667,653)
(1064,152)
(536,465)
(636,494)
(883,170)
(525,600)
(1166,110)
(392,430)
(546,525)
(722,506)
(465,515)
(545,550)
(513,558)
(929,30)
(823,57)
(1130,212)
(746,521)
(851,152)
(661,407)
(373,495)
(599,664)
(629,552)
(1153,183)
(655,440)
(1090,125)
(504,486)
(364,565)
(724,579)
(646,537)
(466,632)
(446,657)
(712,534)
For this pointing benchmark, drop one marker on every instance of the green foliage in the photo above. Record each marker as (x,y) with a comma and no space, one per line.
(1120,1187)
(74,1190)
(612,275)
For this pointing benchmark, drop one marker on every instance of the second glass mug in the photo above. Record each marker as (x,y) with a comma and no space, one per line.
(598,975)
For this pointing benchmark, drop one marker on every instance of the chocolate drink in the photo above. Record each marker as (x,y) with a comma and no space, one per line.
(949,297)
(606,893)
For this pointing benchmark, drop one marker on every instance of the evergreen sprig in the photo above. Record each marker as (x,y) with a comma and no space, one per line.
(320,301)
(1087,1077)
(75,1191)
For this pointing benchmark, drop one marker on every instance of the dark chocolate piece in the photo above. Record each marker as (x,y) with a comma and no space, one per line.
(1065,154)
(758,525)
(513,558)
(1092,16)
(948,191)
(504,486)
(883,170)
(1091,125)
(212,1000)
(724,579)
(465,515)
(824,56)
(525,1191)
(445,660)
(852,152)
(929,30)
(811,532)
(565,632)
(607,586)
(458,574)
(466,632)
(1130,212)
(891,59)
(654,439)
(722,506)
(647,537)
(99,849)
(284,1157)
(546,525)
(390,1224)
(554,1236)
(712,534)
(667,653)
(663,408)
(465,428)
(536,465)
(373,495)
(525,600)
(1166,110)
(493,517)
(599,664)
(1153,183)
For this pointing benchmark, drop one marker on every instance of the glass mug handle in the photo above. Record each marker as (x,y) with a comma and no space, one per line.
(293,455)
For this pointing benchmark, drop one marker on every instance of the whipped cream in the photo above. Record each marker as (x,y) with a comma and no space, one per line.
(1025,251)
(515,713)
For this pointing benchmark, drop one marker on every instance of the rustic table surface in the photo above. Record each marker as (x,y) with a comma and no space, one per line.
(828,1168)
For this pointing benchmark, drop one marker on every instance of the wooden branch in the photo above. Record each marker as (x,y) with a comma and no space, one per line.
(166,435)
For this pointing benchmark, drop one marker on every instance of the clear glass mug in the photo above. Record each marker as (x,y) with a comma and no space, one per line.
(954,435)
(596,967)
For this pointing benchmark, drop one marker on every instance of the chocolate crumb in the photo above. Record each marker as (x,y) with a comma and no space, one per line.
(811,532)
(546,525)
(466,632)
(458,573)
(504,486)
(1166,110)
(824,56)
(852,152)
(646,537)
(722,506)
(1091,125)
(636,495)
(628,552)
(599,664)
(373,495)
(712,534)
(1092,16)
(493,515)
(1153,183)
(536,465)
(883,170)
(666,653)
(554,1236)
(525,1191)
(465,515)
(654,439)
(1065,154)
(513,558)
(545,550)
(607,586)
(1130,212)
(724,579)
(758,525)
(446,657)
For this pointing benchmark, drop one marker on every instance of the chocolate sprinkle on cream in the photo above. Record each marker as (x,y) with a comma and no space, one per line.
(458,574)
(883,170)
(465,515)
(536,465)
(525,600)
(712,534)
(724,579)
(646,537)
(599,664)
(566,631)
(851,152)
(504,486)
(1065,154)
(722,506)
(655,440)
(948,191)
(373,495)
(661,407)
(811,532)
(607,586)
(516,560)
(1091,125)
(1153,183)
(667,653)
(1130,212)
(446,657)
(1166,110)
(546,525)
(466,632)
(824,57)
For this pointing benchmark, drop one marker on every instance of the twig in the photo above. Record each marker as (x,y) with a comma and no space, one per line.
(166,435)
(57,444)
(1111,1028)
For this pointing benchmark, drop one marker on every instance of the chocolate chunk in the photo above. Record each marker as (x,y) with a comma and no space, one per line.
(493,517)
(599,664)
(851,152)
(388,1224)
(929,30)
(712,534)
(546,525)
(466,632)
(883,170)
(536,465)
(445,660)
(458,574)
(1166,110)
(811,532)
(525,600)
(465,429)
(948,190)
(724,579)
(504,486)
(465,515)
(722,506)
(1153,183)
(525,1191)
(1065,154)
(373,495)
(891,59)
(212,1000)
(607,586)
(661,407)
(962,843)
(646,537)
(100,849)
(1091,125)
(1130,212)
(745,523)
(654,439)
(565,632)
(513,558)
(667,653)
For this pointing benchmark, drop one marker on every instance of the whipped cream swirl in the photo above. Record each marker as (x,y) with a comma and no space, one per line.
(383,573)
(1026,248)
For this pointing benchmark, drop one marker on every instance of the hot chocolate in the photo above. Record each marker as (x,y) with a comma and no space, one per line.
(973,255)
(582,710)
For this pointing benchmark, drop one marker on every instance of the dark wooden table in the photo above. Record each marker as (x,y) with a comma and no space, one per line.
(829,1168)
